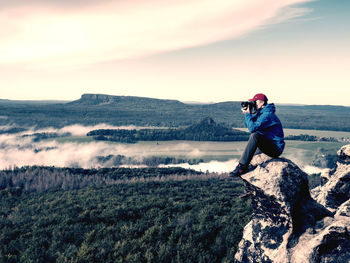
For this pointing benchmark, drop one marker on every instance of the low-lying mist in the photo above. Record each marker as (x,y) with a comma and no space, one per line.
(19,149)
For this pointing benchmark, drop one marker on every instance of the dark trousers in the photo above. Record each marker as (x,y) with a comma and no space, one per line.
(258,143)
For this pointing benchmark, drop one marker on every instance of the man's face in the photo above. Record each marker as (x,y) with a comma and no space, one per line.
(259,104)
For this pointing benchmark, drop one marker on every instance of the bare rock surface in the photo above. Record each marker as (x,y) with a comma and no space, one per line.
(287,224)
(337,189)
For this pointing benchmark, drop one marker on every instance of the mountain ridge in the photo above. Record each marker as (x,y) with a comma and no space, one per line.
(86,96)
(93,109)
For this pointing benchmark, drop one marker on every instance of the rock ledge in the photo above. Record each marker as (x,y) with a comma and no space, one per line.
(287,224)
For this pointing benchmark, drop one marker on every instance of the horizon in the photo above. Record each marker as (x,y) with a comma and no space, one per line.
(296,51)
(185,102)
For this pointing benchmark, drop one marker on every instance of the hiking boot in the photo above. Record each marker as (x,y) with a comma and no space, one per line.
(238,171)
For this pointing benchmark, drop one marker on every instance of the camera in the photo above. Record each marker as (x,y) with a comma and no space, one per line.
(249,104)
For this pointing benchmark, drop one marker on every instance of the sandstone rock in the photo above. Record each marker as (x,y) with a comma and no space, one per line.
(287,224)
(344,210)
(328,241)
(344,154)
(337,189)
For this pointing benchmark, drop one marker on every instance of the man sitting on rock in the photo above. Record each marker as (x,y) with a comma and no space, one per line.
(266,132)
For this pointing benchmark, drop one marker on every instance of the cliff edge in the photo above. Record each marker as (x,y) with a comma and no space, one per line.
(289,224)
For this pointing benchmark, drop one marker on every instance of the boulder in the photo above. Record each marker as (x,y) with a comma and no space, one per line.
(328,241)
(287,224)
(337,188)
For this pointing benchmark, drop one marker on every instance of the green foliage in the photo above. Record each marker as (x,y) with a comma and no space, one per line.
(12,130)
(39,136)
(205,130)
(119,110)
(310,138)
(152,161)
(302,137)
(188,221)
(41,178)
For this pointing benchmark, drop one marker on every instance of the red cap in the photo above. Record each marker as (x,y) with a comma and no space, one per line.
(259,96)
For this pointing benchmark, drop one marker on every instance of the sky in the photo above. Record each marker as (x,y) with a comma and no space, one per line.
(294,51)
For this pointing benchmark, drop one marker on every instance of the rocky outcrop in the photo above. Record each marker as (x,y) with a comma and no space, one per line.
(127,102)
(336,188)
(96,99)
(327,241)
(288,225)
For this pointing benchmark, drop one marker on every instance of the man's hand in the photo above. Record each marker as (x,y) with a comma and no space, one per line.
(244,111)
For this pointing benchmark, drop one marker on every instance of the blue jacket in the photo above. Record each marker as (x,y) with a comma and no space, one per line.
(266,122)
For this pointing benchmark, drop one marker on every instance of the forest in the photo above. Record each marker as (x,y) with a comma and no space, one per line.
(205,130)
(196,132)
(310,138)
(42,178)
(93,109)
(151,161)
(39,136)
(197,218)
(56,214)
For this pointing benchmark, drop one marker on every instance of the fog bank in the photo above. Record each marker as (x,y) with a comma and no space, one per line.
(228,166)
(20,150)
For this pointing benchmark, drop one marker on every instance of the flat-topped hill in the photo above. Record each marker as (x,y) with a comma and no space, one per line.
(93,109)
(205,130)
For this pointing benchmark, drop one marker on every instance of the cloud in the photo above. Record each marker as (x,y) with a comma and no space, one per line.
(228,166)
(43,33)
(212,166)
(19,151)
(289,13)
(315,170)
(79,130)
(16,150)
(55,3)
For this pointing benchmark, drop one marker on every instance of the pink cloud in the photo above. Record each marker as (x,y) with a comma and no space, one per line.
(43,35)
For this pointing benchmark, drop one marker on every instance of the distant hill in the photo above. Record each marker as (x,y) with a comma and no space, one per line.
(125,102)
(205,130)
(93,109)
(33,102)
(208,127)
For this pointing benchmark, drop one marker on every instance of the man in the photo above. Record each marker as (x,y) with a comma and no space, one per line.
(266,133)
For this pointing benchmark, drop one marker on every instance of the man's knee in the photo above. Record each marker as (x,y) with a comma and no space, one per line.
(255,136)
